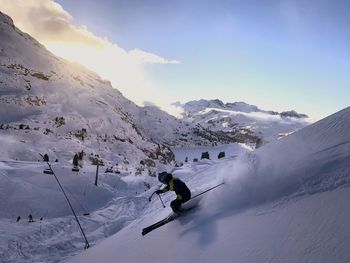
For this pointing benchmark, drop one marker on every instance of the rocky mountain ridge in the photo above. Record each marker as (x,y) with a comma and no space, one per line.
(247,123)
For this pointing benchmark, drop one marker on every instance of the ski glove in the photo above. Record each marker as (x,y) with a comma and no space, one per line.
(158,192)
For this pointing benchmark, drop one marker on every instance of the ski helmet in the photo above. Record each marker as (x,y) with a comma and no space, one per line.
(163,177)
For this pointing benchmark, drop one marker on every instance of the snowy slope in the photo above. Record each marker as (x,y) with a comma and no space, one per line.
(313,229)
(117,201)
(246,122)
(286,202)
(25,190)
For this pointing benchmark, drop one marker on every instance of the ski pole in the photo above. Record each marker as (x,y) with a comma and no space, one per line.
(150,198)
(207,190)
(161,201)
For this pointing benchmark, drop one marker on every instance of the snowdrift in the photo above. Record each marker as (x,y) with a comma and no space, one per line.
(286,202)
(312,160)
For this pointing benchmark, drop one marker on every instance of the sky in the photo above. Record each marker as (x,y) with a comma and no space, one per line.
(276,54)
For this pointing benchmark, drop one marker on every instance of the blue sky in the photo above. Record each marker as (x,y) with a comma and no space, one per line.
(278,55)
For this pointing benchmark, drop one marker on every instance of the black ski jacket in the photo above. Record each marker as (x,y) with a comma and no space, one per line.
(180,188)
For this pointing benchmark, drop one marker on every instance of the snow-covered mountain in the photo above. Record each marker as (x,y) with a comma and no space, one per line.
(49,105)
(285,202)
(246,123)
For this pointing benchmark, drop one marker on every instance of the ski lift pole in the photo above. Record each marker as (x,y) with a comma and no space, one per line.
(87,245)
(96,177)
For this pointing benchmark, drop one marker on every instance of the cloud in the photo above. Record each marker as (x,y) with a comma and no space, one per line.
(53,26)
(145,57)
(47,21)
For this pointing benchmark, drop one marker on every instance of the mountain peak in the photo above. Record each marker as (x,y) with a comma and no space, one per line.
(242,118)
(203,103)
(6,19)
(242,106)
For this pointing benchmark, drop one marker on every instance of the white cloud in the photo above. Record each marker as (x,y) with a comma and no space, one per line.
(48,22)
(145,57)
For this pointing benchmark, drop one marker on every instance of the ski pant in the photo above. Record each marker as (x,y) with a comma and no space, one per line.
(181,198)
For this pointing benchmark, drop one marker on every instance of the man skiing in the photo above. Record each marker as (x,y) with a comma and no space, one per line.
(183,194)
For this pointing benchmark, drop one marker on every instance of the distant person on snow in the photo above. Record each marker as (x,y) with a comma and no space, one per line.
(30,218)
(183,194)
(75,160)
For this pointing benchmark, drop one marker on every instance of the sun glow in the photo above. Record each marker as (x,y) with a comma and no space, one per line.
(110,62)
(47,21)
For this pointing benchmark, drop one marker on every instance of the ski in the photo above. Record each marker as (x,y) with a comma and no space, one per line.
(166,220)
(160,223)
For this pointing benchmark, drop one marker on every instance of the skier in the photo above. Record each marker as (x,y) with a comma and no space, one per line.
(183,194)
(30,218)
(76,160)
